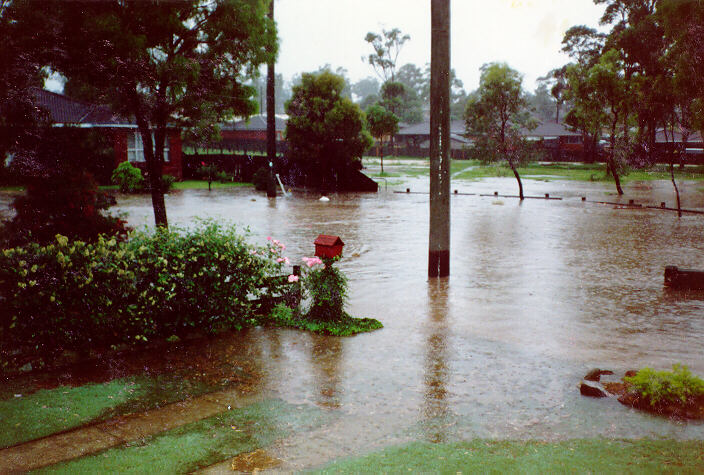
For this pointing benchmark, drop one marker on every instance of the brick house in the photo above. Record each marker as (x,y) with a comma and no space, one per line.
(127,142)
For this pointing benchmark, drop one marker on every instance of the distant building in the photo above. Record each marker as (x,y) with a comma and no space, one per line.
(693,147)
(414,140)
(558,141)
(248,135)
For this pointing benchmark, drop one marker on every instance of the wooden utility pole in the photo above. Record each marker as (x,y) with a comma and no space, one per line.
(271,118)
(439,247)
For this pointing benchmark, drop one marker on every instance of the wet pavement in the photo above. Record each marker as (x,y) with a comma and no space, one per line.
(540,292)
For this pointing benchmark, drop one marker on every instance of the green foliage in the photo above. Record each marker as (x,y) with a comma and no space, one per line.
(223,177)
(207,172)
(128,178)
(79,295)
(326,286)
(386,48)
(167,182)
(284,316)
(676,386)
(402,101)
(261,179)
(496,113)
(326,132)
(169,64)
(381,121)
(69,205)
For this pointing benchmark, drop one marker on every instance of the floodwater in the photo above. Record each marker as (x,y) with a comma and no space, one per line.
(540,292)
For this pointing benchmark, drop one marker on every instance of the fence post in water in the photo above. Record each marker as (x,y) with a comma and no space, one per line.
(439,235)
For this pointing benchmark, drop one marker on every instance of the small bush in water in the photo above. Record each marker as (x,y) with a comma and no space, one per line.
(676,386)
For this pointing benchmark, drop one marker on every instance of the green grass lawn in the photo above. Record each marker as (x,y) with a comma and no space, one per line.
(49,411)
(202,443)
(532,457)
(203,185)
(473,169)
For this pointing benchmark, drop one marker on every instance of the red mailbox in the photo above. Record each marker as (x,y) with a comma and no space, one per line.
(328,247)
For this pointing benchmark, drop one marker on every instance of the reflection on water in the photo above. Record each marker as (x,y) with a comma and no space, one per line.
(540,293)
(435,408)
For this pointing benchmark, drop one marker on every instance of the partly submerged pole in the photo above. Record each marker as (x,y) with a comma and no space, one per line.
(439,243)
(271,118)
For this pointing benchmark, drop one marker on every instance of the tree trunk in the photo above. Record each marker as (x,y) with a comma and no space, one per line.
(381,154)
(518,178)
(677,191)
(439,235)
(672,168)
(155,168)
(611,159)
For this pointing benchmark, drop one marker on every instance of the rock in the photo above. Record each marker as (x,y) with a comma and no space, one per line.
(592,389)
(630,373)
(615,387)
(596,374)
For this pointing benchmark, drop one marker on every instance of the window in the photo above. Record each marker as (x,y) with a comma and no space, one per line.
(135,148)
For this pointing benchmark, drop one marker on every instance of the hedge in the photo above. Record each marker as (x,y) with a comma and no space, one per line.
(77,295)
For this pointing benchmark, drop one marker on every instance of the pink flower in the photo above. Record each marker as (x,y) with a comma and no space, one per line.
(280,260)
(268,238)
(312,261)
(202,163)
(252,252)
(293,278)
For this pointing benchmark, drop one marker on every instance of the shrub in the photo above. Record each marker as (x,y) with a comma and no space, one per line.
(128,178)
(223,177)
(326,286)
(167,182)
(261,179)
(70,205)
(676,386)
(77,295)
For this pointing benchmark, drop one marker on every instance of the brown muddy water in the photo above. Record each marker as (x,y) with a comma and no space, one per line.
(540,292)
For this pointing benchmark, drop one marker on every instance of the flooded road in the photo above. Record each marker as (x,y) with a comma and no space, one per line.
(540,292)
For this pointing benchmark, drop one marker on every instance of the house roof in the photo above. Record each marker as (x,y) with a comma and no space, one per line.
(65,110)
(457,142)
(694,136)
(256,122)
(423,128)
(550,129)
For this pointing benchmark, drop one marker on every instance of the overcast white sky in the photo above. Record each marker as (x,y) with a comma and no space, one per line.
(524,33)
